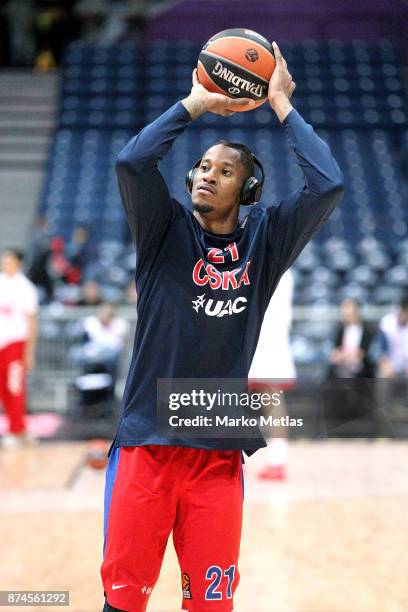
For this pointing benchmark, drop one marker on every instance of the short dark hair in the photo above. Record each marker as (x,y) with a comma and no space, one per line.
(404,302)
(247,159)
(15,252)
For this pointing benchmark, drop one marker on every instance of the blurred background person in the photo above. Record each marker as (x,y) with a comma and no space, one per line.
(349,357)
(60,268)
(390,351)
(130,296)
(91,294)
(38,260)
(54,25)
(80,250)
(20,16)
(104,336)
(392,360)
(98,356)
(273,371)
(348,392)
(92,15)
(18,335)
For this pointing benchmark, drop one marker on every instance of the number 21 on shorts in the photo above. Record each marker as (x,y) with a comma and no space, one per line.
(215,573)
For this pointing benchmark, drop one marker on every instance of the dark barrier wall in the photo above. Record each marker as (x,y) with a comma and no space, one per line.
(292,20)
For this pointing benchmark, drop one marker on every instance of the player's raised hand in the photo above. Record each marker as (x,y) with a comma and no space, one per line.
(281,80)
(201,100)
(281,85)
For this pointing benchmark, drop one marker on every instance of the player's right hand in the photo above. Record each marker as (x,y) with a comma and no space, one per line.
(217,103)
(281,82)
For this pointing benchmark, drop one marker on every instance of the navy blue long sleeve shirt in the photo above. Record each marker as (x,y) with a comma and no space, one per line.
(202,296)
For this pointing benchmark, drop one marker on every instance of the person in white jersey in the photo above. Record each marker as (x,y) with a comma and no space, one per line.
(18,334)
(273,370)
(393,362)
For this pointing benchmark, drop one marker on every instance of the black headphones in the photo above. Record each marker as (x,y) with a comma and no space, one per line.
(251,190)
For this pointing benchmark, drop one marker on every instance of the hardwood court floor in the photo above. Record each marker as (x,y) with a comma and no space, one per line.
(333,538)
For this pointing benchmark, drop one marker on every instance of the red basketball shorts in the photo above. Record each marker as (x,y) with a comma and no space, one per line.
(197,494)
(13,386)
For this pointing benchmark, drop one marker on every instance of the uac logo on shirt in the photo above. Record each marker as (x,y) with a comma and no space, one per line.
(219,308)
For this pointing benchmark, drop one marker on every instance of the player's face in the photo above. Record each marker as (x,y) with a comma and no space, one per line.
(403,316)
(217,181)
(350,311)
(10,264)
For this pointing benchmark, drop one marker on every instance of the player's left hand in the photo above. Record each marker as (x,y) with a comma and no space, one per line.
(281,83)
(217,103)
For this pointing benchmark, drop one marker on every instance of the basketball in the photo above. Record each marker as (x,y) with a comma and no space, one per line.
(97,454)
(238,63)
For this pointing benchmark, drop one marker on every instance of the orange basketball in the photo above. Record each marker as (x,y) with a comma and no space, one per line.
(238,63)
(97,454)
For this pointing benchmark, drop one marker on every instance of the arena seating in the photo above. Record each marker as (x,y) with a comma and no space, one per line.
(353,94)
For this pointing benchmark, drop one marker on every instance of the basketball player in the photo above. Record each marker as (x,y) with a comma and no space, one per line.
(203,282)
(273,371)
(18,334)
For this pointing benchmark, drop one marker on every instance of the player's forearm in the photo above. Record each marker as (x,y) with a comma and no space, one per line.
(303,212)
(154,141)
(320,170)
(282,106)
(195,105)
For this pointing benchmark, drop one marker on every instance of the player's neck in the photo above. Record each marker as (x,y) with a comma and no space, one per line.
(217,226)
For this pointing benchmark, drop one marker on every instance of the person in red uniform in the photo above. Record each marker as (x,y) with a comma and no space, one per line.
(18,333)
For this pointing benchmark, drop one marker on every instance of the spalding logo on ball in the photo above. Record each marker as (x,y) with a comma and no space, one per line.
(238,63)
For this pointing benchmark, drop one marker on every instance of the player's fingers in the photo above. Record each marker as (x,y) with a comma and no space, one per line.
(195,77)
(292,89)
(278,54)
(233,102)
(280,60)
